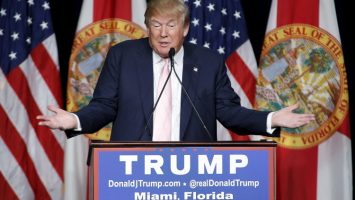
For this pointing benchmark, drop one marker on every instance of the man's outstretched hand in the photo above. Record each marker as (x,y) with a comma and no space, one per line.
(288,119)
(61,119)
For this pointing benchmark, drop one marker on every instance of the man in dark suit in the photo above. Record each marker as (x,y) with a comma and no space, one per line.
(127,89)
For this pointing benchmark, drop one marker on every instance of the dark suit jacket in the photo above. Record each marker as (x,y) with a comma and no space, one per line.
(124,96)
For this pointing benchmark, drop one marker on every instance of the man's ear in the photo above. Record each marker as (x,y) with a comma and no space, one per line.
(186,29)
(148,31)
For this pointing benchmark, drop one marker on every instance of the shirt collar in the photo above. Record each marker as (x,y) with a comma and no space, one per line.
(177,58)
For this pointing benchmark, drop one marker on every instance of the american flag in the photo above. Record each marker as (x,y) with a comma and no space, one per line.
(220,25)
(31,156)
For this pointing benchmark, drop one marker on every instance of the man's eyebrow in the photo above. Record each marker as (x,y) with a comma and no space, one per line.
(153,20)
(170,21)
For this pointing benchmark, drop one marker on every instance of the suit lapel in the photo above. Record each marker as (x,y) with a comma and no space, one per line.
(145,76)
(190,82)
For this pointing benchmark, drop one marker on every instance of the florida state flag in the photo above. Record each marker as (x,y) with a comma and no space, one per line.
(302,62)
(101,25)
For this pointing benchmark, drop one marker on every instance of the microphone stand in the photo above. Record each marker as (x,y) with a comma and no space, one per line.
(155,105)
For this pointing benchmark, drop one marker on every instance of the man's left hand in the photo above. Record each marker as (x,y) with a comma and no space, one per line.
(287,118)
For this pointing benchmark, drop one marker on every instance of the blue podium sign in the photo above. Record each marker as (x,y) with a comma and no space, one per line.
(184,172)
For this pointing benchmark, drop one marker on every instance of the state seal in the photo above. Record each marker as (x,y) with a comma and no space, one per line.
(303,64)
(89,50)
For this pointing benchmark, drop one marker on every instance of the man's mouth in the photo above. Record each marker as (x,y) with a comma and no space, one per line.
(164,44)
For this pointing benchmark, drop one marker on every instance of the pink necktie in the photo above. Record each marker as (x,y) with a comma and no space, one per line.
(162,113)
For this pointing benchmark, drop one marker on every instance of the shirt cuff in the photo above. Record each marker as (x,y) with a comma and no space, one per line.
(78,127)
(269,129)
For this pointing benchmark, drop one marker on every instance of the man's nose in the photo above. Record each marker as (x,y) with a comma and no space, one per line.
(163,31)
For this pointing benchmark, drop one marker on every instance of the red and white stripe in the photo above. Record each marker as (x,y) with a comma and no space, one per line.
(76,170)
(325,171)
(31,156)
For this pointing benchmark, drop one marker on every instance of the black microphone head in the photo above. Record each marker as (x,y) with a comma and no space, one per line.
(171,52)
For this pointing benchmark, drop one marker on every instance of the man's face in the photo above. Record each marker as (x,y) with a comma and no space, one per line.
(166,32)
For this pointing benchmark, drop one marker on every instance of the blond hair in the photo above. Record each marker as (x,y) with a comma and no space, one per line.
(167,7)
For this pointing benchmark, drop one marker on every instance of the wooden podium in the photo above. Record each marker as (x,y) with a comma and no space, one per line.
(182,171)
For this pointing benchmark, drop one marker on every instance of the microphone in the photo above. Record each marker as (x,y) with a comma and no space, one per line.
(171,56)
(156,103)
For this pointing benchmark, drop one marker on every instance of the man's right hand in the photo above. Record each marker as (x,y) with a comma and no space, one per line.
(61,119)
